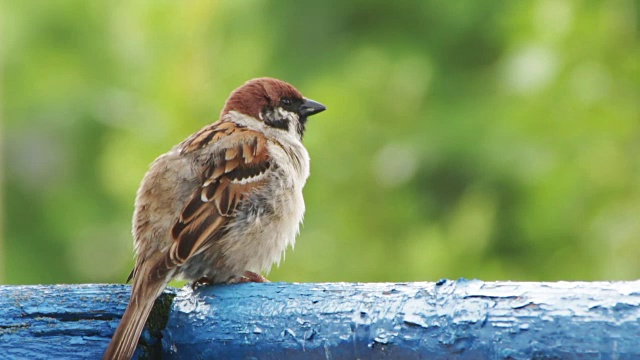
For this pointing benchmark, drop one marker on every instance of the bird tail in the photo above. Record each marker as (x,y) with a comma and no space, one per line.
(143,295)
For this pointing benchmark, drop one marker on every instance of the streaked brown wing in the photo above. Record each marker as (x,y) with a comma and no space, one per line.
(239,170)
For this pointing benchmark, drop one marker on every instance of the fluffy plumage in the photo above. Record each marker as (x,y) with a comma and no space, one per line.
(222,205)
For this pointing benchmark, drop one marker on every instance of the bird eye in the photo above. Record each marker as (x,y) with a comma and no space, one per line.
(285,101)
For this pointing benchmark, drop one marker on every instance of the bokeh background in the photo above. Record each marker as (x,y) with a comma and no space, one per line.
(479,139)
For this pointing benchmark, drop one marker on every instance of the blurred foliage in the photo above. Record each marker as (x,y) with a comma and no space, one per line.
(490,139)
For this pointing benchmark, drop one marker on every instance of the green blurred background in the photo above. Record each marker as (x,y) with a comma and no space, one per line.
(478,139)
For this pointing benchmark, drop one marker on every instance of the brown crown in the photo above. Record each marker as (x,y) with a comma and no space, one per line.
(255,94)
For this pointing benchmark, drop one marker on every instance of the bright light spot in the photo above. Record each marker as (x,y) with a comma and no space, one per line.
(530,69)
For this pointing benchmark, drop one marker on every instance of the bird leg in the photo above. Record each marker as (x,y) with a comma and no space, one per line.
(254,277)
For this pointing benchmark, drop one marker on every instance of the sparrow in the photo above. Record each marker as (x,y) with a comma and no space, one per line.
(223,205)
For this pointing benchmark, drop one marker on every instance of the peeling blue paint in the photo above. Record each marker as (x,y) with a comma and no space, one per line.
(464,319)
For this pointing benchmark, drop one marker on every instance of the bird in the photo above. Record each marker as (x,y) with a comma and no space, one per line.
(223,205)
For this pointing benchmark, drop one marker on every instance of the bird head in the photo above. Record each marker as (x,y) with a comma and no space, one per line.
(274,102)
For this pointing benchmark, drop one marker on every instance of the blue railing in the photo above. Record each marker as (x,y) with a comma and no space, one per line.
(464,319)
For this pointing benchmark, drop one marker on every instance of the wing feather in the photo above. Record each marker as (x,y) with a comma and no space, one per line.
(229,175)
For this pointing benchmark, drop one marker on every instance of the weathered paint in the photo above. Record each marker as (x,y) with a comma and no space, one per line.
(63,321)
(445,320)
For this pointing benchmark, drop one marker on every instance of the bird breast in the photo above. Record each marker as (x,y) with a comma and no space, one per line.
(270,219)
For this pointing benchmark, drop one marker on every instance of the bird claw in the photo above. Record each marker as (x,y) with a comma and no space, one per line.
(254,277)
(248,276)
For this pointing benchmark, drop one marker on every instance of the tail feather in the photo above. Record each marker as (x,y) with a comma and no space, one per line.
(125,339)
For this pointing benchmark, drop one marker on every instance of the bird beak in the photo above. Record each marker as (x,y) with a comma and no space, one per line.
(310,107)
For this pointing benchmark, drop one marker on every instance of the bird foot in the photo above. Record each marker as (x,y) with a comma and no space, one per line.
(248,276)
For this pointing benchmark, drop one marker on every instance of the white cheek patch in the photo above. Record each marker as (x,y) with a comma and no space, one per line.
(284,114)
(291,116)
